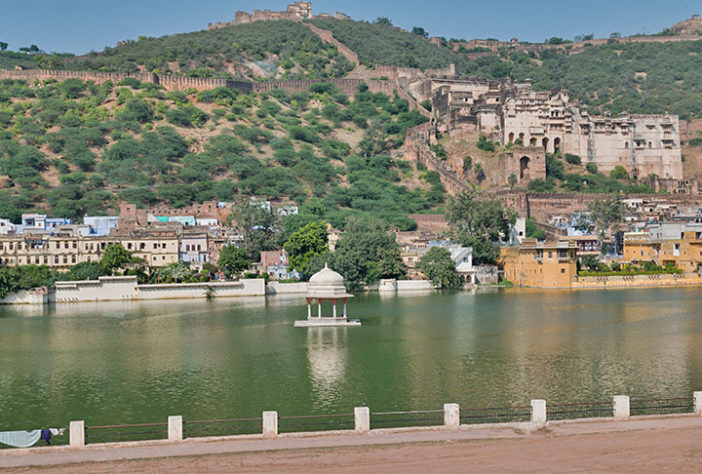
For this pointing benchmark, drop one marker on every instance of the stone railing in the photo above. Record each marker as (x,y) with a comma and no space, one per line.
(451,417)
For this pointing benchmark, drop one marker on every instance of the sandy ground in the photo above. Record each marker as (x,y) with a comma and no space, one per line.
(659,446)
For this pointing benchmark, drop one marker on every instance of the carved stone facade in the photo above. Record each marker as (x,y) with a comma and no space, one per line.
(507,112)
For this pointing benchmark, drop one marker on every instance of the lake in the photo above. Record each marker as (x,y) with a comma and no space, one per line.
(136,362)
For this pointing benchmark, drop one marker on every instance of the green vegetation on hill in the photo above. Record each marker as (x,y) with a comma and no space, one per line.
(285,49)
(378,43)
(75,147)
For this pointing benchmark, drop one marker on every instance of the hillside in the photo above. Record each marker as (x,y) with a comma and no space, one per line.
(73,148)
(617,76)
(280,50)
(639,77)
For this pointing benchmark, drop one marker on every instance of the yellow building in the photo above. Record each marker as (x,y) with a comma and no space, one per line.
(684,253)
(62,252)
(540,264)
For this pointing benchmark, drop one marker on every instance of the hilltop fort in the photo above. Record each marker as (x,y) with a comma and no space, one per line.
(297,11)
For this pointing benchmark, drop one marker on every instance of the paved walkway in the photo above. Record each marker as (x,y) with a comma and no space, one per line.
(198,447)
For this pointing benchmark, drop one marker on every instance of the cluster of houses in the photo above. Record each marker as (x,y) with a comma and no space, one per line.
(160,236)
(650,231)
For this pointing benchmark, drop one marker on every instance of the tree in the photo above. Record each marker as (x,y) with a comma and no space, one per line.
(532,231)
(438,266)
(619,172)
(366,253)
(233,260)
(305,244)
(114,258)
(381,20)
(84,271)
(419,31)
(259,226)
(3,46)
(480,223)
(512,180)
(606,212)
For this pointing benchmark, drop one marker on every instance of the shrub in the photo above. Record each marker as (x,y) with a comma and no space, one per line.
(591,168)
(485,144)
(619,172)
(572,159)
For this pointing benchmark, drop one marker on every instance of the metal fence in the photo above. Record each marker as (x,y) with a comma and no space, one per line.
(661,406)
(120,433)
(404,419)
(294,424)
(572,411)
(470,416)
(229,427)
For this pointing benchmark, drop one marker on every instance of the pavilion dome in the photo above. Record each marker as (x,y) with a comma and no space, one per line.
(326,282)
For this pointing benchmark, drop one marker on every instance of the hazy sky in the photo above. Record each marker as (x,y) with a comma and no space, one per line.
(80,26)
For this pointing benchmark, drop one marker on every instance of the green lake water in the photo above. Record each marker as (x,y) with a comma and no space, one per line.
(139,362)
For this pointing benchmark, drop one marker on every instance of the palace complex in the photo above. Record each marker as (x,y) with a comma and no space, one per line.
(507,112)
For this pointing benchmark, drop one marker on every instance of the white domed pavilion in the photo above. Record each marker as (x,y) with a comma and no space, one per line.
(327,285)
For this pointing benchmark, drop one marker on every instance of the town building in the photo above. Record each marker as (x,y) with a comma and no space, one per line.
(677,244)
(540,264)
(100,226)
(63,251)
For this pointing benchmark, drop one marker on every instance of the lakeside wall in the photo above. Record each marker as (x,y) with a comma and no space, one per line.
(127,288)
(40,295)
(636,281)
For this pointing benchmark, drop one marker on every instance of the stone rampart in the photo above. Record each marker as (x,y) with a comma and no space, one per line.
(418,141)
(180,83)
(542,206)
(328,37)
(59,75)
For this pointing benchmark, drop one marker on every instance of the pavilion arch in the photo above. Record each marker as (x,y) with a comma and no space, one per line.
(556,145)
(544,143)
(521,137)
(532,142)
(511,137)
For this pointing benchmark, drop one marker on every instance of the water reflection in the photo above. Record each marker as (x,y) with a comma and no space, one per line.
(327,351)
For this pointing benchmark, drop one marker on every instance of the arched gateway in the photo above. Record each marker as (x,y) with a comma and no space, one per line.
(327,286)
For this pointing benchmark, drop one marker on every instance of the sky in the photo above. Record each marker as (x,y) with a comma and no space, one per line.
(80,26)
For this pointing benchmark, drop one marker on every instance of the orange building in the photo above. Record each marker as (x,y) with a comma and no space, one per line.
(541,264)
(684,253)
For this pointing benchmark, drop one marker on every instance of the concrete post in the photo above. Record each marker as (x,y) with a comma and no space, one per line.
(452,416)
(76,434)
(175,428)
(270,424)
(334,310)
(538,412)
(698,403)
(621,408)
(361,417)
